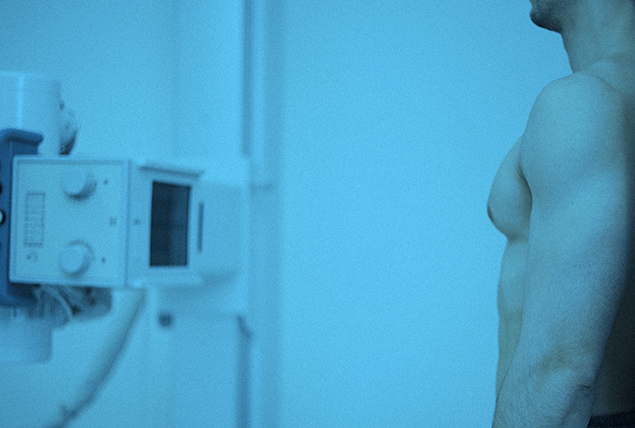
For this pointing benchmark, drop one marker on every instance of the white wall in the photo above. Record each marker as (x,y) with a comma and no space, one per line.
(114,60)
(396,116)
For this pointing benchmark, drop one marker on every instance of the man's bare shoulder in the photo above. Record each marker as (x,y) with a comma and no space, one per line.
(576,123)
(581,101)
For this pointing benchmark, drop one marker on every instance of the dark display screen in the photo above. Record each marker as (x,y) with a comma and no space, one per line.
(169,224)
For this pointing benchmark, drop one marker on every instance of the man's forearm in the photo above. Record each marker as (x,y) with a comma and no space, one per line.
(556,399)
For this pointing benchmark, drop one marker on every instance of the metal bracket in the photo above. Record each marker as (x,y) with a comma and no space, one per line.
(12,142)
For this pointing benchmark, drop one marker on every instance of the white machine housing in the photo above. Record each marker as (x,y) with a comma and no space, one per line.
(120,223)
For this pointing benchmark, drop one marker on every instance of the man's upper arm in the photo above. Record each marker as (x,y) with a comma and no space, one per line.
(577,165)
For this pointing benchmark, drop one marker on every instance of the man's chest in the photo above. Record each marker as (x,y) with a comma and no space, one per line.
(509,205)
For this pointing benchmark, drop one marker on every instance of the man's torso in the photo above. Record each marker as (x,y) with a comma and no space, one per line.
(510,208)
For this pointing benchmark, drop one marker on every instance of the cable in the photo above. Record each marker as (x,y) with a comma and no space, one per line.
(101,367)
(55,294)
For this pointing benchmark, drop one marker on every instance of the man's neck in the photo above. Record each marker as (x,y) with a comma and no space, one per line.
(599,30)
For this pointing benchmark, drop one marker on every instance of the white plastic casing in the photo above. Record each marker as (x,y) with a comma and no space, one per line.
(90,222)
(31,102)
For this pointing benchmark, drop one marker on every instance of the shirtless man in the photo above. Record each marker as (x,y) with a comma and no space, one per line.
(565,198)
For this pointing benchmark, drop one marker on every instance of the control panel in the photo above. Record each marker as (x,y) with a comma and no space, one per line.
(69,221)
(117,223)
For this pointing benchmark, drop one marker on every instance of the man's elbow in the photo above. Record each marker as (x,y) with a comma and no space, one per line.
(574,376)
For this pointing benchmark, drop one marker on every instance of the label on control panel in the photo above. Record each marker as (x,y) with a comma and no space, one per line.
(34,211)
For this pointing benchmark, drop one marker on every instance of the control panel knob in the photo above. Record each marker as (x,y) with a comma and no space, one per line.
(78,183)
(75,258)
